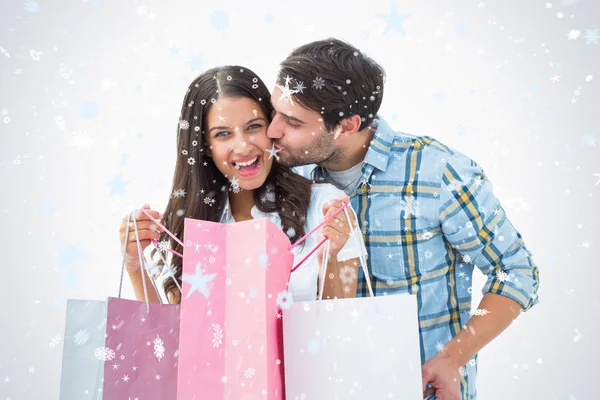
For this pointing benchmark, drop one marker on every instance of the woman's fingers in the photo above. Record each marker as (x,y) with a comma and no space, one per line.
(144,234)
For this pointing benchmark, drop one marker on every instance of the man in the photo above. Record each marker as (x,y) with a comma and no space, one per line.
(427,212)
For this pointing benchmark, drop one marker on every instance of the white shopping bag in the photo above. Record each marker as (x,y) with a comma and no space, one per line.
(358,348)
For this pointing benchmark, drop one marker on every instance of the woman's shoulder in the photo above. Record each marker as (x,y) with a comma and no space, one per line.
(321,193)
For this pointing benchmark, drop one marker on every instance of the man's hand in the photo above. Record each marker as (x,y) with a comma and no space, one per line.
(441,372)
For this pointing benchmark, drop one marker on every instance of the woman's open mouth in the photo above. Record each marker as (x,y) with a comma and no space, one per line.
(248,167)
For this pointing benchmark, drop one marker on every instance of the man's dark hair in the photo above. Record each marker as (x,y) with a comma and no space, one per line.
(335,79)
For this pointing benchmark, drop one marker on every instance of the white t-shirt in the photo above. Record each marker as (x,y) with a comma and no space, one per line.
(303,281)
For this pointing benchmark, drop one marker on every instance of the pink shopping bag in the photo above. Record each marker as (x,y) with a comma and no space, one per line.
(234,279)
(143,340)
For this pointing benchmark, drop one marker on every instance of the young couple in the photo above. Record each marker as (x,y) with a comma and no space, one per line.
(426,213)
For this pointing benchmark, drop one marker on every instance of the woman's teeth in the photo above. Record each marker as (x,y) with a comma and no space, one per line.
(238,165)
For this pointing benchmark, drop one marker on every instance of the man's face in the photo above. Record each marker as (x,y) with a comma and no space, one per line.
(299,133)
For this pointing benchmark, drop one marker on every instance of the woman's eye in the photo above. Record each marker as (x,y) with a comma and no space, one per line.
(255,126)
(222,133)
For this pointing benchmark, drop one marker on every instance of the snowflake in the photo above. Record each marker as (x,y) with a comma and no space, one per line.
(179,193)
(81,337)
(427,236)
(169,270)
(104,354)
(462,371)
(55,341)
(81,140)
(285,299)
(574,34)
(212,260)
(502,276)
(318,83)
(65,72)
(329,307)
(466,258)
(548,5)
(164,246)
(409,206)
(299,87)
(36,55)
(31,370)
(191,160)
(347,275)
(159,349)
(249,373)
(217,335)
(428,254)
(228,281)
(208,200)
(470,290)
(235,185)
(183,124)
(480,311)
(472,363)
(4,111)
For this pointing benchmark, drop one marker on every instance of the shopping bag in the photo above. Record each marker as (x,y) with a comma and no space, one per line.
(234,281)
(84,352)
(363,348)
(145,340)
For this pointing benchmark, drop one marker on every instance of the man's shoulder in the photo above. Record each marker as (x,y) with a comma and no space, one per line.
(419,155)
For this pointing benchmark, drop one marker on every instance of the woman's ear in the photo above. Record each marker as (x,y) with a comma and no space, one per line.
(206,152)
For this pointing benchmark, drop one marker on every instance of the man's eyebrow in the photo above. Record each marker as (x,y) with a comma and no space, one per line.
(292,118)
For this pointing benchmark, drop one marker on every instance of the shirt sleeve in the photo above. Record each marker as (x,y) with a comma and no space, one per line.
(475,224)
(355,246)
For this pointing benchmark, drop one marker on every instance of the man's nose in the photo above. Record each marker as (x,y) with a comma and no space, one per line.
(274,130)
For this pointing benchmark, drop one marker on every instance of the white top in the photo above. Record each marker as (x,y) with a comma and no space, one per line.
(303,281)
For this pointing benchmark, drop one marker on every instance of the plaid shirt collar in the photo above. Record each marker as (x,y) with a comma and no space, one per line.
(378,154)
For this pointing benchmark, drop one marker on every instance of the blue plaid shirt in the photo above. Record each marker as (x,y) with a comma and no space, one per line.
(428,216)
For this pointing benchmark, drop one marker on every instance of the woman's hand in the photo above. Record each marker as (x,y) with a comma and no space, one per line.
(147,230)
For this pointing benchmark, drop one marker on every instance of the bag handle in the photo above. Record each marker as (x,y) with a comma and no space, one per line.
(140,256)
(361,258)
(303,238)
(142,259)
(166,231)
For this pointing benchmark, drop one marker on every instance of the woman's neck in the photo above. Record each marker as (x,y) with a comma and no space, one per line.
(241,205)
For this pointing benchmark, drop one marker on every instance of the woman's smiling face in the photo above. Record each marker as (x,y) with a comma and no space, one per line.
(236,133)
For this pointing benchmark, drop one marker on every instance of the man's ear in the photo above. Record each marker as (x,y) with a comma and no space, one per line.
(348,126)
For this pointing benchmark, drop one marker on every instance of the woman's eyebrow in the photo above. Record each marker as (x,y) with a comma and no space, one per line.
(254,119)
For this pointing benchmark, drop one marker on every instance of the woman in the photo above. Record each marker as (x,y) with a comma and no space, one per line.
(225,172)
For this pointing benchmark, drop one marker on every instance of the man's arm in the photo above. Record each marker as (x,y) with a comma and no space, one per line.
(474,223)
